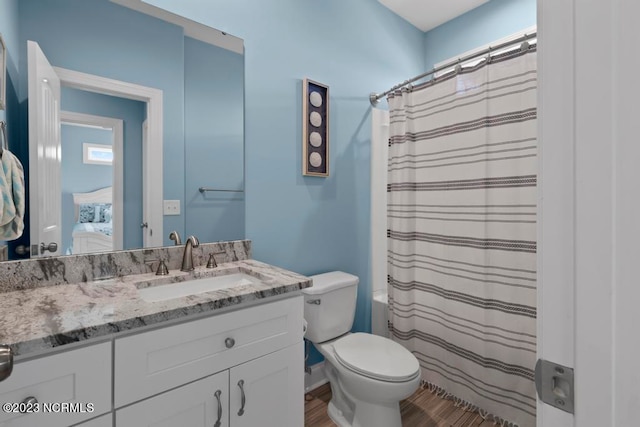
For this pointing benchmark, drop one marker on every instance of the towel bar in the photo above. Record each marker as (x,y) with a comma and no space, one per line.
(203,189)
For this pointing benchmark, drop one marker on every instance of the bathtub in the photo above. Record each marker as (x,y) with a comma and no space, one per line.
(380,314)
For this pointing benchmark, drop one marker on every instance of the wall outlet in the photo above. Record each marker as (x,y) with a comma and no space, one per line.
(172,207)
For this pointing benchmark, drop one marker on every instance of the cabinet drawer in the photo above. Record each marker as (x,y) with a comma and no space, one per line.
(155,361)
(79,376)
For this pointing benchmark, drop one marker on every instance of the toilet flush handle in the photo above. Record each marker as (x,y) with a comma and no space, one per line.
(314,301)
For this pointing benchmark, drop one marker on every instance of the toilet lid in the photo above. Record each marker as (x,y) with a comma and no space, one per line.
(376,357)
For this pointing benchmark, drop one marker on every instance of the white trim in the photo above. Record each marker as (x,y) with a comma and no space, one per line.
(153,152)
(117,128)
(556,193)
(379,156)
(316,378)
(191,28)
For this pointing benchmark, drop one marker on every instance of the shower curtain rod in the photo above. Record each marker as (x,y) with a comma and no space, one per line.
(374,98)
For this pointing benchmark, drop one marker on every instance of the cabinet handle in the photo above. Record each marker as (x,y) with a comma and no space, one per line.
(217,395)
(229,342)
(28,404)
(242,397)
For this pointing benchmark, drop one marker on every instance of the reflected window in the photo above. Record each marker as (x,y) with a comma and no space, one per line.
(97,154)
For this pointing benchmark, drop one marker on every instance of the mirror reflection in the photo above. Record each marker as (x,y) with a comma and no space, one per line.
(200,73)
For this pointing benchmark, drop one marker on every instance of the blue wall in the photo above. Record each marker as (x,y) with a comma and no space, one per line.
(480,26)
(11,113)
(9,31)
(78,177)
(132,113)
(214,141)
(310,224)
(118,43)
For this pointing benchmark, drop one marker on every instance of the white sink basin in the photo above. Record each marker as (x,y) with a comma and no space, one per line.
(196,286)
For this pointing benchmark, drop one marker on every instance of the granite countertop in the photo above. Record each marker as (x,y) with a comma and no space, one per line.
(37,319)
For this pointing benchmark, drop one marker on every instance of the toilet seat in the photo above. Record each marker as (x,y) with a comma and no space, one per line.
(376,357)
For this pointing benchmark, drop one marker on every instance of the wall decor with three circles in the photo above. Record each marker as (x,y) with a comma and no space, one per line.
(315,128)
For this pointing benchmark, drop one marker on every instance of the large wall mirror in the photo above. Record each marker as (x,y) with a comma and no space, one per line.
(107,153)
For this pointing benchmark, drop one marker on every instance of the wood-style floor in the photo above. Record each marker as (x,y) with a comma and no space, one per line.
(422,409)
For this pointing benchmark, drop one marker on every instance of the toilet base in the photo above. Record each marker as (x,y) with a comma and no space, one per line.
(367,415)
(336,416)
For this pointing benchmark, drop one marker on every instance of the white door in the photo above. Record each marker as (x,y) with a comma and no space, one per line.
(44,154)
(269,391)
(590,207)
(199,404)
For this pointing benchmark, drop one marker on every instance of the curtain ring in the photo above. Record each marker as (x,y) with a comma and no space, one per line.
(488,59)
(458,67)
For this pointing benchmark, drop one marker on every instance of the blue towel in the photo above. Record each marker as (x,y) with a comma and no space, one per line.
(12,200)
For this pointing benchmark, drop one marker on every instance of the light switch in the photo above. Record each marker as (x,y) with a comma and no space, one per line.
(172,207)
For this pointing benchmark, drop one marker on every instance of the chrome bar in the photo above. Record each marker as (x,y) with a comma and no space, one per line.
(203,189)
(374,98)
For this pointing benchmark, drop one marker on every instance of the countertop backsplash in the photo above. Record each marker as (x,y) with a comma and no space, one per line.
(73,269)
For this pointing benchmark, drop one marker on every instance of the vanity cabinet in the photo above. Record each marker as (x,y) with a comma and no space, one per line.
(151,362)
(246,365)
(79,376)
(255,355)
(270,396)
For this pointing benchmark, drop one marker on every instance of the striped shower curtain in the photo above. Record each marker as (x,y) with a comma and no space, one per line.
(462,234)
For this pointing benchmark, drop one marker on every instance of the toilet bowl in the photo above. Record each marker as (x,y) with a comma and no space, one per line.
(369,374)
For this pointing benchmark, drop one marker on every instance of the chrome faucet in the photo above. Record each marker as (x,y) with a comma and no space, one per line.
(187,257)
(175,236)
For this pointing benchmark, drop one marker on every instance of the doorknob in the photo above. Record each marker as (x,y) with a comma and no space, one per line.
(26,250)
(144,225)
(51,247)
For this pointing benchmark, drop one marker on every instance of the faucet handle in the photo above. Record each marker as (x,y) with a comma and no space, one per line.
(162,269)
(212,262)
(175,236)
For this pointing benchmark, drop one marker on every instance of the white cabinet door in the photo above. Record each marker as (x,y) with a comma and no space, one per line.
(103,421)
(273,390)
(199,404)
(75,378)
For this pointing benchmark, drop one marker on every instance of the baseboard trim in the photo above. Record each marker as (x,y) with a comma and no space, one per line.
(316,378)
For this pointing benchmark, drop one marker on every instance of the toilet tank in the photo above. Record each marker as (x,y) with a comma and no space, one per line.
(330,305)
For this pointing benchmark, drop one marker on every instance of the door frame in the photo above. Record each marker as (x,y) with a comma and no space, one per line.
(588,206)
(556,207)
(153,213)
(117,127)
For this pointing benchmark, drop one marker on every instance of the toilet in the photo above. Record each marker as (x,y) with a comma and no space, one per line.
(369,374)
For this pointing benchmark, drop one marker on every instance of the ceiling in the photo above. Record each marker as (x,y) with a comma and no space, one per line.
(428,14)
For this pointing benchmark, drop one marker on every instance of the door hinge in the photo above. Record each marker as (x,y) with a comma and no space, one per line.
(554,384)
